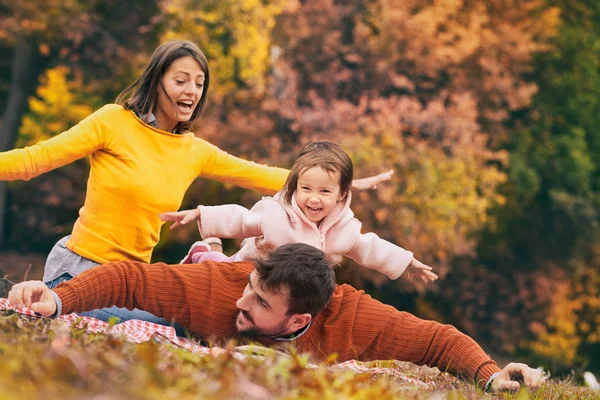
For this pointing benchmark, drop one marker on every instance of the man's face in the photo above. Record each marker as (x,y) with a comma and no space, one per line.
(262,313)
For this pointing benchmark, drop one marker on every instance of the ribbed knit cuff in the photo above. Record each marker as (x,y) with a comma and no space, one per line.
(67,297)
(484,372)
(488,385)
(58,311)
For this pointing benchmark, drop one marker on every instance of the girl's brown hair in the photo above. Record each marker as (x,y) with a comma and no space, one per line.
(326,155)
(142,94)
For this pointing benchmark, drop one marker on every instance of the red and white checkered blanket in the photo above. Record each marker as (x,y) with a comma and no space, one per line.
(137,331)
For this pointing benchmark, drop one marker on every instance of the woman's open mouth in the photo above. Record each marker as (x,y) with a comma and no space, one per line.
(185,106)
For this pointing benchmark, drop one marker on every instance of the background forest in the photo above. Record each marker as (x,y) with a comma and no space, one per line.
(488,111)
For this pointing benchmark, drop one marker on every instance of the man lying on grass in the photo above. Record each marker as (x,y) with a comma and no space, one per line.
(289,297)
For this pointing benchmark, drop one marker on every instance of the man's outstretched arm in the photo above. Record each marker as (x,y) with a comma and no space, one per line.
(382,332)
(156,288)
(199,297)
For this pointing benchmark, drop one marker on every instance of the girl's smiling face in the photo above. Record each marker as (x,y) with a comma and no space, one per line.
(318,192)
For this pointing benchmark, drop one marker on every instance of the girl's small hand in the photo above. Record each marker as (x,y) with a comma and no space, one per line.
(180,217)
(371,182)
(417,269)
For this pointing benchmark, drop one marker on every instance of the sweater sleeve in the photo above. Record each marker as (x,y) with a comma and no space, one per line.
(199,297)
(372,252)
(79,141)
(223,167)
(231,221)
(381,332)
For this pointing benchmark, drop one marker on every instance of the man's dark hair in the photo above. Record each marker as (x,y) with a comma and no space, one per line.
(304,270)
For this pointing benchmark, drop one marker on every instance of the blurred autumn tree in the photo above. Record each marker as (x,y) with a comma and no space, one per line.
(549,227)
(554,187)
(49,207)
(418,86)
(235,34)
(91,36)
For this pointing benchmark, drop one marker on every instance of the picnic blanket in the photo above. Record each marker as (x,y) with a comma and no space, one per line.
(137,331)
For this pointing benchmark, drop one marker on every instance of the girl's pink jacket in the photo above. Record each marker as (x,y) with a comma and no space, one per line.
(272,223)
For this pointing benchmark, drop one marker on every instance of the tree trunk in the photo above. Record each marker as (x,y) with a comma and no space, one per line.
(26,67)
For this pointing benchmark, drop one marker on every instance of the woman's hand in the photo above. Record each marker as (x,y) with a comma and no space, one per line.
(371,182)
(421,271)
(180,217)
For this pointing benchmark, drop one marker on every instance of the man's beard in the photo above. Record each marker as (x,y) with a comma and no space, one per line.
(255,332)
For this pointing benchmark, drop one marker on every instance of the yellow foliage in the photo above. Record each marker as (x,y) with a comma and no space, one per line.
(559,339)
(574,318)
(440,200)
(54,109)
(234,34)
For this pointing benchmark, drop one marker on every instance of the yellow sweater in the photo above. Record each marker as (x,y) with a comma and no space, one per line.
(137,172)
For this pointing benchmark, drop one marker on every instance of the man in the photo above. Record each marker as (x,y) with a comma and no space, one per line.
(289,297)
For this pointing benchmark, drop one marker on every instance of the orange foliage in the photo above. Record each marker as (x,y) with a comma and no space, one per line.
(418,86)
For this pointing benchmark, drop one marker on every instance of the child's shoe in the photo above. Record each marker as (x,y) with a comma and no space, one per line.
(214,243)
(198,247)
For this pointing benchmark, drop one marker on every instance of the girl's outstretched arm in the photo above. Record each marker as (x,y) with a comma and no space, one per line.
(416,269)
(376,253)
(372,181)
(226,221)
(180,217)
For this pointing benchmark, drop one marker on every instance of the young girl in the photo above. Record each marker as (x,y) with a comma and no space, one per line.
(312,208)
(143,160)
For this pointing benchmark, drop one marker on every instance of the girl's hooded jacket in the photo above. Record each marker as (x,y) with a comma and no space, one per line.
(272,223)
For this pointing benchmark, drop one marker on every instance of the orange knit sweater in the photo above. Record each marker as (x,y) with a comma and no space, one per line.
(202,298)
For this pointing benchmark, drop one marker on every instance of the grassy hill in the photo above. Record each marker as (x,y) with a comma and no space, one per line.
(44,359)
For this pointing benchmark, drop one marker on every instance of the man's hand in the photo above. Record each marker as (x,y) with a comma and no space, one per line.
(180,217)
(358,185)
(532,378)
(421,271)
(35,295)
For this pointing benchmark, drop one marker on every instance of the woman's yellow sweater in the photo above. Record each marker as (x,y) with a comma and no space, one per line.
(137,172)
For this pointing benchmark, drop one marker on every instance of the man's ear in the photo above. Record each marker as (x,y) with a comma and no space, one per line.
(298,321)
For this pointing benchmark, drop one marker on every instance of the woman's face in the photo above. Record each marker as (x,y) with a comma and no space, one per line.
(182,88)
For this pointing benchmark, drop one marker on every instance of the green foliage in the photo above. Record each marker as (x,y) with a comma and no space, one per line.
(555,173)
(550,224)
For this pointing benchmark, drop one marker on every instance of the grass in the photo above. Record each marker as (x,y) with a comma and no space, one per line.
(43,359)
